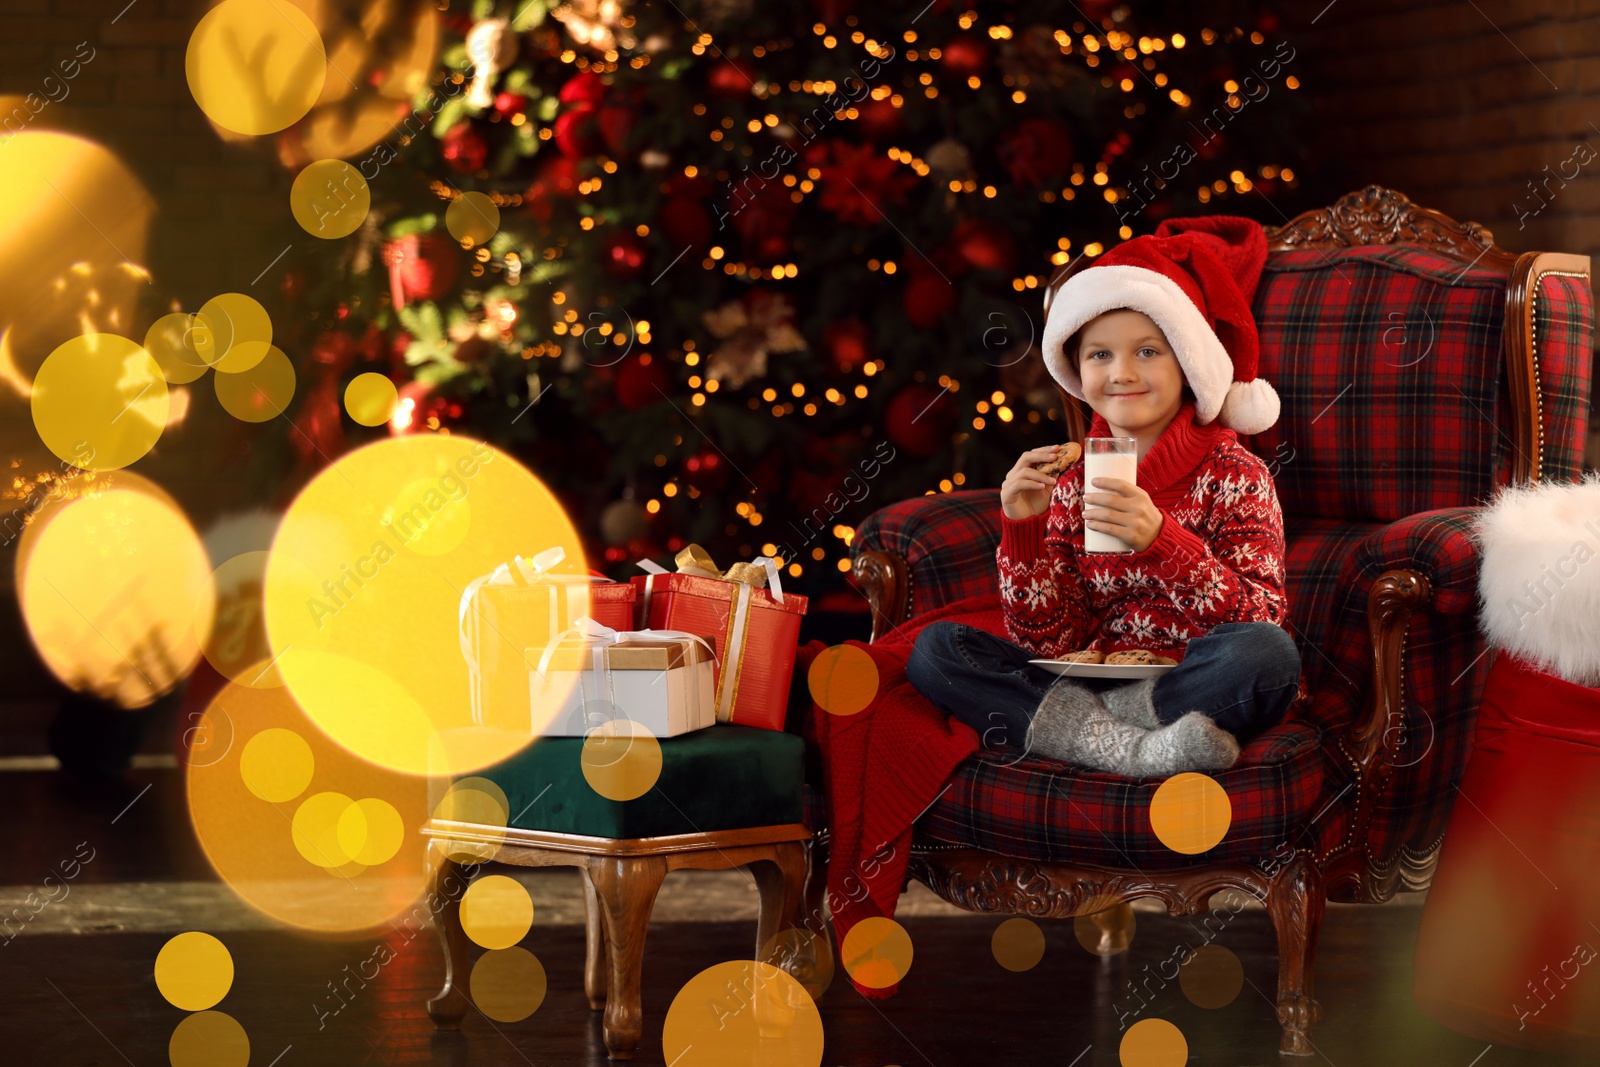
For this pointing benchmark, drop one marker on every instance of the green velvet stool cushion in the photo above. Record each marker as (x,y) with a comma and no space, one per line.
(723,777)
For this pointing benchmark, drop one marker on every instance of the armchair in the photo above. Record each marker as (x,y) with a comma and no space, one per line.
(1420,368)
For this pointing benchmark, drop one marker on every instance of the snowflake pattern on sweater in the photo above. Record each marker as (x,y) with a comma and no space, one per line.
(1218,558)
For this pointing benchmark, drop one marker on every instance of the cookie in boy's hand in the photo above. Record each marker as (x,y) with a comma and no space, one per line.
(1086,656)
(1066,456)
(1139,657)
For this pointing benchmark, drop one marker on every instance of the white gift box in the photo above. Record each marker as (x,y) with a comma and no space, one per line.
(590,675)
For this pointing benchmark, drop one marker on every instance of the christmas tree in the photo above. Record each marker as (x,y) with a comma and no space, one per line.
(739,274)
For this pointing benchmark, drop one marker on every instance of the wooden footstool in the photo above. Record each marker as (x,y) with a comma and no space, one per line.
(710,781)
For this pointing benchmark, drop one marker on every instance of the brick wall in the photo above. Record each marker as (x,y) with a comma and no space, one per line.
(1460,106)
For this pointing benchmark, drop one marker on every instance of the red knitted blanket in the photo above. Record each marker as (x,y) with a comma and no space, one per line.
(883,767)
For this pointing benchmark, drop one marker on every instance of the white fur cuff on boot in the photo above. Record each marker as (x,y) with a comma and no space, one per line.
(1539,587)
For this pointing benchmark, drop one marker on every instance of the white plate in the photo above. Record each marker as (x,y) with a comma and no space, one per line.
(1104,670)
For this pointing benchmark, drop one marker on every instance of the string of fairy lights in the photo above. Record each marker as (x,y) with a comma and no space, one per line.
(1096,50)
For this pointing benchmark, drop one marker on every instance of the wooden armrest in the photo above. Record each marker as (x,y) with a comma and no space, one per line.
(886,578)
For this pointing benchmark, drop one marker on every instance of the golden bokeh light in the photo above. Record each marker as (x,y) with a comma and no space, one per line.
(277,765)
(237,334)
(621,759)
(739,1012)
(100,401)
(316,829)
(843,680)
(304,862)
(1190,812)
(370,831)
(1018,944)
(330,199)
(363,597)
(508,984)
(260,393)
(255,66)
(379,59)
(74,223)
(496,911)
(371,398)
(483,805)
(876,952)
(194,971)
(209,1039)
(1153,1043)
(237,644)
(1212,977)
(180,343)
(108,582)
(472,218)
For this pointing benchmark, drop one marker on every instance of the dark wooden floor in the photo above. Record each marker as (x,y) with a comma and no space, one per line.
(90,997)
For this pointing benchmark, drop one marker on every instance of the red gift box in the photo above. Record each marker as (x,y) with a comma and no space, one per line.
(755,635)
(516,608)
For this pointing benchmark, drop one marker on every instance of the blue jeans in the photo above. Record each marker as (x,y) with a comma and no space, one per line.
(1242,674)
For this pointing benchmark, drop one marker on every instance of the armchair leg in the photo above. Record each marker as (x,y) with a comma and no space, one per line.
(450,1006)
(816,888)
(782,884)
(594,961)
(626,887)
(1296,900)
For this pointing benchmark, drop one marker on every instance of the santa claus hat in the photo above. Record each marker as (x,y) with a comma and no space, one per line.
(1195,278)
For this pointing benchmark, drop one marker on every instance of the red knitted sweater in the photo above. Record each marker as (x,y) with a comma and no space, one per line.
(1219,556)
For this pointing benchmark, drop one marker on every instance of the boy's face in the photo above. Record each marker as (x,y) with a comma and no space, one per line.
(1130,375)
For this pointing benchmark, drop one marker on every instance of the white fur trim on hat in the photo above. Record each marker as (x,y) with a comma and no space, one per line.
(1250,407)
(1096,290)
(1539,582)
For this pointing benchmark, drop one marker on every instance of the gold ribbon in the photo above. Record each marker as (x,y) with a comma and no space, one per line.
(762,573)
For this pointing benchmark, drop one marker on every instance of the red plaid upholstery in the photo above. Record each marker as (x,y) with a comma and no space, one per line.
(949,540)
(1042,810)
(1563,333)
(1382,474)
(1379,356)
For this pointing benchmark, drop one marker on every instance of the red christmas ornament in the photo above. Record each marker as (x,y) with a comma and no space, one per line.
(464,149)
(861,183)
(639,383)
(557,179)
(764,220)
(1098,10)
(848,342)
(927,298)
(333,349)
(919,419)
(586,87)
(880,119)
(508,104)
(321,437)
(726,79)
(985,245)
(421,267)
(616,124)
(707,471)
(686,222)
(577,132)
(293,284)
(965,56)
(1036,152)
(624,255)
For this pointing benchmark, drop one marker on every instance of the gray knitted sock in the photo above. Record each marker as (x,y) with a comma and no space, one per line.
(1072,725)
(1134,703)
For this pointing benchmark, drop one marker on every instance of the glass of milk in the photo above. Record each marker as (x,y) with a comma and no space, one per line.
(1107,457)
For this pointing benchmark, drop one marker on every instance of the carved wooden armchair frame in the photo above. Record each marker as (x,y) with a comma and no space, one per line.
(1295,888)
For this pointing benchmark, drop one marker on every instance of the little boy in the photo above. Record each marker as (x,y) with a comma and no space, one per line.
(1158,338)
